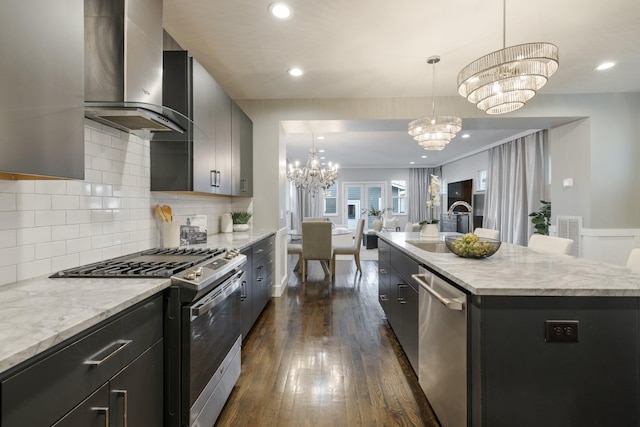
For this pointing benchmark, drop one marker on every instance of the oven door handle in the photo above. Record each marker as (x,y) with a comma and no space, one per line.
(207,303)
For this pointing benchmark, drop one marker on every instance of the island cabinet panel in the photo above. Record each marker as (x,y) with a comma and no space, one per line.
(398,296)
(517,377)
(71,379)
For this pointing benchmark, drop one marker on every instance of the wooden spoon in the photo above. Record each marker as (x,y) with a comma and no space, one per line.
(166,210)
(160,214)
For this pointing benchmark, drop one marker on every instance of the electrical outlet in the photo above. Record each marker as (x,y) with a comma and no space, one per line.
(561,330)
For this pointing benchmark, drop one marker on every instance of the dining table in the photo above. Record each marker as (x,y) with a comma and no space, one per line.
(296,234)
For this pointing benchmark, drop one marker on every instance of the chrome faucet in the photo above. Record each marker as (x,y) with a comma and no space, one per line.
(469,208)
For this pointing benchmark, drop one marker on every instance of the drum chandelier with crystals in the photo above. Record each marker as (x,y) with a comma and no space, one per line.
(505,80)
(434,132)
(312,177)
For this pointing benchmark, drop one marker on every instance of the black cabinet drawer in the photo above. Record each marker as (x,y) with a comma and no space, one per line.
(45,391)
(404,265)
(263,247)
(384,250)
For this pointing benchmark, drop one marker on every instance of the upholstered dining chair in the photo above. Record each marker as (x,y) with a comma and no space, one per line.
(295,249)
(316,243)
(487,232)
(353,249)
(633,262)
(550,244)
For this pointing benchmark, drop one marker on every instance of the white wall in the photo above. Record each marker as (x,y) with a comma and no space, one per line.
(47,226)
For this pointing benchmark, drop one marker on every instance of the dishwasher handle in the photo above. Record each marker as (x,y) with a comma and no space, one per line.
(450,303)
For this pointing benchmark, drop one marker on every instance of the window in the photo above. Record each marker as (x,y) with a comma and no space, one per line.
(482,180)
(399,197)
(331,201)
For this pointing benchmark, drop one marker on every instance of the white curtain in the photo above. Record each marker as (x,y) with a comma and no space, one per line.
(418,193)
(304,204)
(516,182)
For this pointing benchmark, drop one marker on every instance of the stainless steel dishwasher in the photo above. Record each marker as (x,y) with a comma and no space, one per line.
(442,347)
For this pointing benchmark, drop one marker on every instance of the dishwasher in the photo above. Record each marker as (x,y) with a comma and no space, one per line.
(442,347)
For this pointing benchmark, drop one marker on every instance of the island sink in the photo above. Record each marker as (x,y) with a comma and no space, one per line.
(437,246)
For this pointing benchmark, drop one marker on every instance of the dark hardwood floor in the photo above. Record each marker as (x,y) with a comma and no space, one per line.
(323,354)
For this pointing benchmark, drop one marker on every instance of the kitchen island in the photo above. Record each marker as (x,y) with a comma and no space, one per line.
(548,339)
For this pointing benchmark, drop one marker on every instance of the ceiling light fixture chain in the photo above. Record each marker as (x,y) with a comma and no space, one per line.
(434,132)
(504,80)
(312,177)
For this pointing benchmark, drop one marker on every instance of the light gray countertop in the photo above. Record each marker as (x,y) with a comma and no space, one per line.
(39,313)
(519,271)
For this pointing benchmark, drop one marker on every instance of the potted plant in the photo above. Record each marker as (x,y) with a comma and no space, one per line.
(240,220)
(377,214)
(541,220)
(430,227)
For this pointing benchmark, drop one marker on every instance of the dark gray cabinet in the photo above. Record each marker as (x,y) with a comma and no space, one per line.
(201,162)
(42,87)
(117,369)
(242,152)
(398,296)
(259,281)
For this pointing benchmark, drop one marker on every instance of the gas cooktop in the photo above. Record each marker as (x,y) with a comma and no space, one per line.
(148,263)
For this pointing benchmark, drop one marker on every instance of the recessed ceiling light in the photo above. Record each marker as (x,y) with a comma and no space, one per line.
(465,135)
(295,72)
(605,66)
(412,163)
(320,151)
(320,137)
(322,157)
(280,10)
(424,156)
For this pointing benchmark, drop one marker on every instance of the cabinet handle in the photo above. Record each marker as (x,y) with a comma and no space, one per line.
(243,293)
(401,298)
(243,185)
(383,271)
(214,178)
(106,413)
(119,346)
(383,297)
(218,179)
(450,303)
(125,406)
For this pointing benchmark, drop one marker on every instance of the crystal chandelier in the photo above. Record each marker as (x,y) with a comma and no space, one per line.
(434,132)
(505,80)
(312,177)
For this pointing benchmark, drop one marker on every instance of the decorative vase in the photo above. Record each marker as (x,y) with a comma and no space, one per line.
(377,224)
(240,227)
(430,230)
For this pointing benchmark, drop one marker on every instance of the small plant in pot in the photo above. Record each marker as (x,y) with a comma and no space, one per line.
(240,220)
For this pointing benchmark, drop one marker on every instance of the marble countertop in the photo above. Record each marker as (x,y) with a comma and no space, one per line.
(37,314)
(519,271)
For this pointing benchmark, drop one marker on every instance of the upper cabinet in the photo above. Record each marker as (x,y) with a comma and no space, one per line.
(206,161)
(242,152)
(42,89)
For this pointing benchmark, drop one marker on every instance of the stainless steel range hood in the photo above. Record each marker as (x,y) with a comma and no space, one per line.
(123,67)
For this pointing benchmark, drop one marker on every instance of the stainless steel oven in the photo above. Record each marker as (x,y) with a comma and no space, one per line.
(203,327)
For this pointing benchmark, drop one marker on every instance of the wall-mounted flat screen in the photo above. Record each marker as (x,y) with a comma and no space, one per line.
(460,190)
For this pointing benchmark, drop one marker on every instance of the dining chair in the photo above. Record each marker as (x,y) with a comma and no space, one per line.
(312,218)
(353,249)
(316,243)
(550,244)
(295,249)
(390,224)
(633,262)
(487,232)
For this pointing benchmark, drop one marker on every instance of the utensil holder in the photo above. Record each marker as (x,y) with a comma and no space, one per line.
(170,234)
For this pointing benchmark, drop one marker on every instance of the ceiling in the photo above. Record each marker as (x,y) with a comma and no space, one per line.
(371,48)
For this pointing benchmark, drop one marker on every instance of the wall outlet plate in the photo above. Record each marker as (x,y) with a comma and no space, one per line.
(561,330)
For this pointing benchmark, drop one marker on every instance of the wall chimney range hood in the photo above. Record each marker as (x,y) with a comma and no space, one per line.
(123,67)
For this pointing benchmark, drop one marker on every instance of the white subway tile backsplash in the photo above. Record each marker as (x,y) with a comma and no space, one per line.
(34,269)
(33,202)
(65,232)
(44,218)
(29,236)
(8,238)
(48,226)
(8,201)
(50,250)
